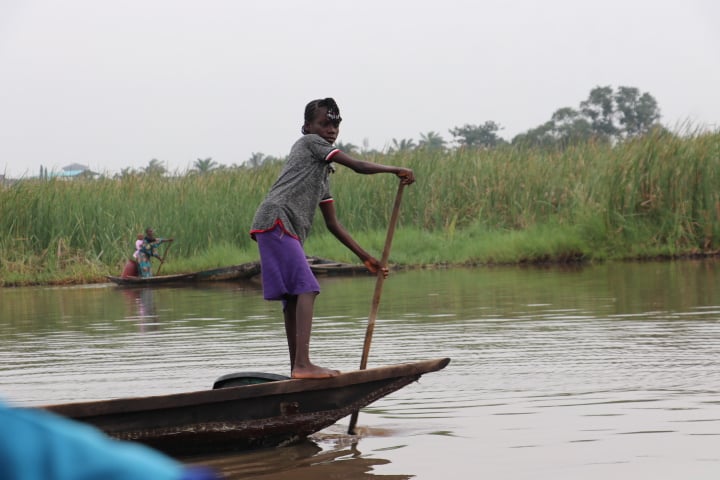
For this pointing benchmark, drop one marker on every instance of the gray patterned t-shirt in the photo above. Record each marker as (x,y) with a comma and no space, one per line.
(301,186)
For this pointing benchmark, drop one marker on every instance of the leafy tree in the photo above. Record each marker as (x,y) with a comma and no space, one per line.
(541,136)
(566,127)
(431,141)
(569,126)
(637,113)
(606,115)
(599,109)
(478,136)
(155,167)
(205,165)
(620,114)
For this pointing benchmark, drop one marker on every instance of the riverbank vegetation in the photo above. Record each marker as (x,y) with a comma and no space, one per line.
(647,197)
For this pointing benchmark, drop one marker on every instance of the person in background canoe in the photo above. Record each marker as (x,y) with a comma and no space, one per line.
(148,250)
(39,445)
(283,220)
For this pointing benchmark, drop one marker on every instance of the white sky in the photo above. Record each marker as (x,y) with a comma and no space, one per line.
(115,84)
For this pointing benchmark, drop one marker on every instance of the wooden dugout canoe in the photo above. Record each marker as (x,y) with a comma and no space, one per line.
(233,272)
(271,413)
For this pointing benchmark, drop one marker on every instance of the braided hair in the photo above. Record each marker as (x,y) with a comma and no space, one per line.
(333,111)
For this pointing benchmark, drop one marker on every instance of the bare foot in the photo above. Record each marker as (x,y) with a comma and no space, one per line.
(313,371)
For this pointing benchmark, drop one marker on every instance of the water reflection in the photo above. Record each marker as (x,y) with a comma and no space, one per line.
(304,461)
(590,372)
(141,305)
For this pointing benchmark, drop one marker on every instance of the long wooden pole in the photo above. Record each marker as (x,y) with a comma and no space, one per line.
(162,260)
(378,292)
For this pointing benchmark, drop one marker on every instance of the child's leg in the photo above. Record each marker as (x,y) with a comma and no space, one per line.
(301,327)
(289,310)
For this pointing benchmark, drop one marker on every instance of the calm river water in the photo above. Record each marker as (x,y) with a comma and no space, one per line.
(609,371)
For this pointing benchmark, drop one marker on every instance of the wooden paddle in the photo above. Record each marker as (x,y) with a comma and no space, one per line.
(162,260)
(376,296)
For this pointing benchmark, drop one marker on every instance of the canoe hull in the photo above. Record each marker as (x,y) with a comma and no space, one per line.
(245,417)
(224,274)
(323,266)
(245,271)
(159,280)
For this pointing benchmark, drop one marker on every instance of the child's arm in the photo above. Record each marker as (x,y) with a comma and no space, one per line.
(369,168)
(334,226)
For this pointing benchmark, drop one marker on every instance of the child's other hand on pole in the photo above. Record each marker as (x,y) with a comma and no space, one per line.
(373,265)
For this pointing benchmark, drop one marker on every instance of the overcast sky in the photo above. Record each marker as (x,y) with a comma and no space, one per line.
(113,85)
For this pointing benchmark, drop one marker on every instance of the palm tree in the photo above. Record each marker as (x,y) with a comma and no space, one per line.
(204,165)
(155,167)
(403,145)
(126,172)
(432,141)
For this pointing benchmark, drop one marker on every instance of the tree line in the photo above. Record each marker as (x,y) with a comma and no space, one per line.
(607,115)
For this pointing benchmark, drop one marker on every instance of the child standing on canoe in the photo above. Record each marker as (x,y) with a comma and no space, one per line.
(283,220)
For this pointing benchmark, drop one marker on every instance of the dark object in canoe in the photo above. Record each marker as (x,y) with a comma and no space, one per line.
(266,414)
(323,266)
(234,272)
(132,269)
(247,378)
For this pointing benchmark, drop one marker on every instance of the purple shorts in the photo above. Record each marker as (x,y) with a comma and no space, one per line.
(283,266)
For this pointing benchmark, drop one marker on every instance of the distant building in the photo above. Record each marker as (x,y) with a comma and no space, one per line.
(74,170)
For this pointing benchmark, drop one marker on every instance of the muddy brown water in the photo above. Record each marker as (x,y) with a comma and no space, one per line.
(590,372)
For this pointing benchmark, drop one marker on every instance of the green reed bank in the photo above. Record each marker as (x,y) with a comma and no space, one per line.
(654,196)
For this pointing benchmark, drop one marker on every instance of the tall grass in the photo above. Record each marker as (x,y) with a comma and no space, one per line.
(655,195)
